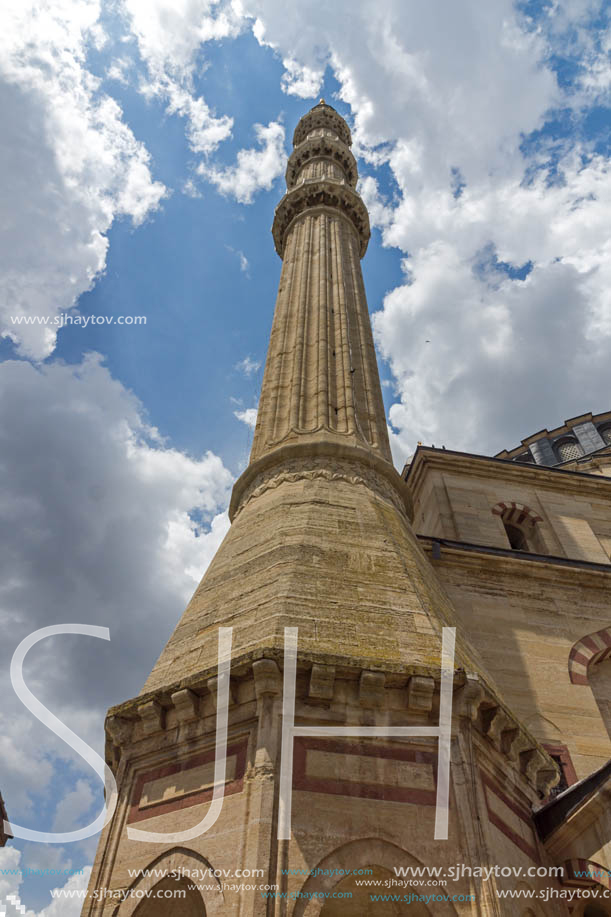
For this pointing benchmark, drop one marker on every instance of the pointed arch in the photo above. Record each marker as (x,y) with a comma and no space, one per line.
(516,513)
(173,861)
(344,860)
(587,652)
(521,526)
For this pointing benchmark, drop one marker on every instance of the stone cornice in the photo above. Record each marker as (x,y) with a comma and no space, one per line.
(321,148)
(141,724)
(518,563)
(483,466)
(316,193)
(325,458)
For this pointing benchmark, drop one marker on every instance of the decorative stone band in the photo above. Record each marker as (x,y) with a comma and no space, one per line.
(516,513)
(132,733)
(314,193)
(587,652)
(322,116)
(303,470)
(586,873)
(321,147)
(327,460)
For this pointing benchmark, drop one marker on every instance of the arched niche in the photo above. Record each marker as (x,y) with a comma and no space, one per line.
(356,900)
(339,865)
(175,864)
(172,896)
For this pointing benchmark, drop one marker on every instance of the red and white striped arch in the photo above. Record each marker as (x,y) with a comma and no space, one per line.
(587,652)
(516,513)
(585,873)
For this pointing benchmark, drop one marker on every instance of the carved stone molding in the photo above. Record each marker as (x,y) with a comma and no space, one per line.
(268,680)
(151,716)
(321,147)
(469,698)
(322,116)
(186,704)
(420,690)
(294,470)
(119,729)
(325,192)
(213,686)
(371,689)
(322,682)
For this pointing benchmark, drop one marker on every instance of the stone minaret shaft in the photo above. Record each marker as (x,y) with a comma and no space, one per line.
(321,378)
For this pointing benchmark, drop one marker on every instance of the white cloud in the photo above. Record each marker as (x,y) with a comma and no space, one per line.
(170,34)
(10,888)
(248,366)
(69,165)
(248,416)
(119,70)
(244,266)
(109,526)
(299,80)
(445,95)
(255,169)
(169,37)
(74,805)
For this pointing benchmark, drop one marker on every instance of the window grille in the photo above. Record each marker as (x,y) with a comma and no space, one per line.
(568,450)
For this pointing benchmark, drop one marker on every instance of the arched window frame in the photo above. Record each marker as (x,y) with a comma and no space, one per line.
(523,520)
(588,651)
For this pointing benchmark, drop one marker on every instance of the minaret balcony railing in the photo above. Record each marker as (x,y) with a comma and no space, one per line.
(321,193)
(321,148)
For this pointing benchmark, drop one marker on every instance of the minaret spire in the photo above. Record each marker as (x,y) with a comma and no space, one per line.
(321,379)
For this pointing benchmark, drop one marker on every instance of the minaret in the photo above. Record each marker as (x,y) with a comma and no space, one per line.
(321,380)
(320,541)
(320,537)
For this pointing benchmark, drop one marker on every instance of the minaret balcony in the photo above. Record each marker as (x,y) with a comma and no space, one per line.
(316,194)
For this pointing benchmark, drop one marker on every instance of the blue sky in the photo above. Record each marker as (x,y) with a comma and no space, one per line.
(205,311)
(143,157)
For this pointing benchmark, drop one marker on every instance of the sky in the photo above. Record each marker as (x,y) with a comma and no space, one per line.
(142,155)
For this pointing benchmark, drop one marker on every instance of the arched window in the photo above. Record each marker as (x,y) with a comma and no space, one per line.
(568,449)
(520,524)
(517,538)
